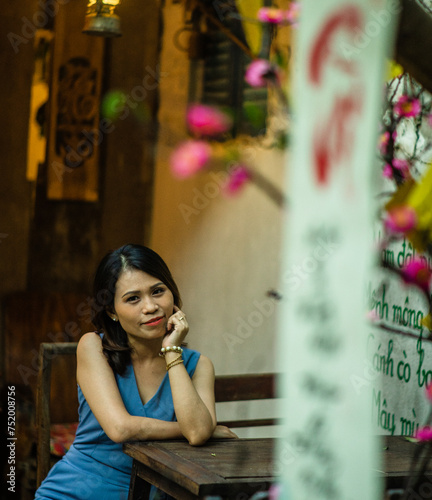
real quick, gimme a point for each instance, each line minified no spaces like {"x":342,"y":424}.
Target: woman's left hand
{"x":221,"y":431}
{"x":177,"y":329}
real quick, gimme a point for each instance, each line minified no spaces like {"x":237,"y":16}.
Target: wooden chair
{"x":247,"y":387}
{"x":48,"y":352}
{"x":49,"y":317}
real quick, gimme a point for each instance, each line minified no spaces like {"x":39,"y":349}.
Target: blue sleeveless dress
{"x":95,"y":468}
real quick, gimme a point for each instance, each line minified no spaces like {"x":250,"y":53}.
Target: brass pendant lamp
{"x":101,"y":19}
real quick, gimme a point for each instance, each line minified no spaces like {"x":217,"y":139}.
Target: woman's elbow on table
{"x":198,"y":440}
{"x":198,"y":437}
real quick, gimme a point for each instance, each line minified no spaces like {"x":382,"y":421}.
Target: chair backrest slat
{"x":47,"y":352}
{"x":248,"y":387}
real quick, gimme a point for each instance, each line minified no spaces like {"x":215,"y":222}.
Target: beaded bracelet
{"x":173,"y":348}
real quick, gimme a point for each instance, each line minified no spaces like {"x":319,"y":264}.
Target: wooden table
{"x":228,"y":467}
{"x":397,"y":455}
{"x":223,"y":467}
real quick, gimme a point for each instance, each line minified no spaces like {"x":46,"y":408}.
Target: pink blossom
{"x":271,"y":15}
{"x":190,"y":157}
{"x":423,"y":434}
{"x":387,"y":171}
{"x":293,"y":13}
{"x":275,"y":491}
{"x":372,"y":316}
{"x":407,"y":106}
{"x":400,"y":219}
{"x":237,"y":179}
{"x":207,"y":121}
{"x":259,"y":72}
{"x":383,"y":142}
{"x":417,"y":272}
{"x":428,"y":391}
{"x":402,"y":165}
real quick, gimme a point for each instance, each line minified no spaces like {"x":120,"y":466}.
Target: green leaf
{"x":255,"y":114}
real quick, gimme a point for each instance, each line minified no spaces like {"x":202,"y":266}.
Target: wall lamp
{"x":101,"y":19}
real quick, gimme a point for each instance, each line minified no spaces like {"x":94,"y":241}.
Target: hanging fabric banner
{"x":328,"y":451}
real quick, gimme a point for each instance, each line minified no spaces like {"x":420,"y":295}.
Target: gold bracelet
{"x":177,"y":361}
{"x":174,"y":360}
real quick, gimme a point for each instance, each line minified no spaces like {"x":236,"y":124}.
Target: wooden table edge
{"x":175,"y":467}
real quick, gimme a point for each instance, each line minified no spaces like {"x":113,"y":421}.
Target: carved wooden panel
{"x":74,"y":123}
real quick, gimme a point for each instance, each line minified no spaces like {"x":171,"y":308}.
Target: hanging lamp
{"x":101,"y":19}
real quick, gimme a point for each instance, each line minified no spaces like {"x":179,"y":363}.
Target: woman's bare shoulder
{"x":205,"y":364}
{"x":90,"y":342}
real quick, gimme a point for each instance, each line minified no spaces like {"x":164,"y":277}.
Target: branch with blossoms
{"x":209,"y":125}
{"x":408,"y":213}
{"x":412,"y":107}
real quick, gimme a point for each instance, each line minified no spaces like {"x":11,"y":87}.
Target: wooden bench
{"x":248,"y":387}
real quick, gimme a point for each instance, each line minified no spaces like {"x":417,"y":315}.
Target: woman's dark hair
{"x":115,"y":343}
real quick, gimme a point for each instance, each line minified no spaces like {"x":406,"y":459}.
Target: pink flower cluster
{"x":398,"y":165}
{"x":423,"y":434}
{"x":260,"y":72}
{"x":384,"y":141}
{"x":400,"y":220}
{"x":407,"y":106}
{"x":190,"y":157}
{"x":207,"y":121}
{"x":417,"y":272}
{"x":238,"y":177}
{"x":278,"y":16}
{"x":194,"y":155}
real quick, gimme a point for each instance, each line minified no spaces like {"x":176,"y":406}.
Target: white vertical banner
{"x":328,"y":450}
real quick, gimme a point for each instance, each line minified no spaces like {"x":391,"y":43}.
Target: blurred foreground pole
{"x":327,"y":451}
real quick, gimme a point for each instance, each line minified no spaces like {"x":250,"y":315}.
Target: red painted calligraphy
{"x":334,"y":135}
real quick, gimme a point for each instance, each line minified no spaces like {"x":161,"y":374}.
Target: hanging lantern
{"x":100,"y":18}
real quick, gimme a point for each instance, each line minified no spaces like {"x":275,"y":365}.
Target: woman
{"x":135,"y":381}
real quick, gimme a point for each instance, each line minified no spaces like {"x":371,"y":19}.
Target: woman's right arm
{"x":99,"y":386}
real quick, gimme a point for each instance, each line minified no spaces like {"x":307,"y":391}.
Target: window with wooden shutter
{"x":224,"y":66}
